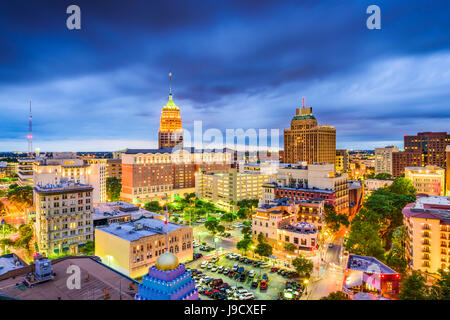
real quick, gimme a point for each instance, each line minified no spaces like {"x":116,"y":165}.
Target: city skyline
{"x":102,"y":88}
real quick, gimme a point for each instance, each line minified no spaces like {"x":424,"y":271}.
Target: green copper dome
{"x":305,"y":116}
{"x":170,"y":104}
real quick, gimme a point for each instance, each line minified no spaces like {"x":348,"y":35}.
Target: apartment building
{"x":342,"y":161}
{"x":132,"y":247}
{"x":63,"y":217}
{"x":428,"y":224}
{"x":25,"y":172}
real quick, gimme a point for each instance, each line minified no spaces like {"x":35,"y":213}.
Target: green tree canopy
{"x":440,"y":290}
{"x":403,"y":186}
{"x":244,"y":245}
{"x":414,"y":287}
{"x":289,"y":247}
{"x":89,"y":248}
{"x":364,"y":239}
{"x":263,"y":249}
{"x":303,"y":266}
{"x":333,"y":220}
{"x":337,"y":295}
{"x":153,"y":206}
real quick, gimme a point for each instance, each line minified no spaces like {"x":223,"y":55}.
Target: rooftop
{"x":10,"y":262}
{"x":367,"y":264}
{"x":142,"y":228}
{"x":63,"y":186}
{"x":429,"y":207}
{"x":170,"y":150}
{"x":301,"y":227}
{"x":95,"y":278}
{"x":121,"y":208}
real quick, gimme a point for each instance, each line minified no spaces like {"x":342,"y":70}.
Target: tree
{"x":220,"y":228}
{"x":402,"y":185}
{"x":243,"y":213}
{"x":364,"y":239}
{"x":244,"y":245}
{"x":440,"y":290}
{"x":396,"y":258}
{"x":414,"y":287}
{"x":153,"y":206}
{"x":113,"y":188}
{"x":337,"y":295}
{"x":246,"y":231}
{"x":211,"y":225}
{"x":227,"y":217}
{"x":334,"y":220}
{"x":89,"y":248}
{"x":263,"y":249}
{"x":22,"y":197}
{"x":7,"y":229}
{"x":261,"y":238}
{"x":303,"y":266}
{"x":289,"y":247}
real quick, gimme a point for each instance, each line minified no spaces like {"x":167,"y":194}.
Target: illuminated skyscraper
{"x":170,"y":130}
{"x":307,"y":141}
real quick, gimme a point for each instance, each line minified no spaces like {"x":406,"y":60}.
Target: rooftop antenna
{"x":30,"y":133}
{"x":170,"y":84}
{"x":303,"y":101}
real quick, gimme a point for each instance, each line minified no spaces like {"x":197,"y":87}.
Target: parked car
{"x":264,"y":265}
{"x":235,"y":267}
{"x":242,"y":277}
{"x":274,"y":269}
{"x":211,"y":291}
{"x":214,"y":269}
{"x":239,"y":292}
{"x":247,"y":296}
{"x":251,"y":274}
{"x":214,"y":259}
{"x":263,"y":285}
{"x":220,"y":269}
{"x":240,"y":270}
{"x":254,"y":284}
{"x":241,"y":259}
{"x":197,"y":256}
{"x":226,"y":270}
{"x":231,"y":273}
{"x":216,"y":282}
{"x":265,"y":277}
{"x":210,"y":266}
{"x":204,"y":264}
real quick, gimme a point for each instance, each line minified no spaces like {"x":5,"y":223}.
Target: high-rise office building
{"x":383,"y":159}
{"x":307,"y":141}
{"x":447,"y":171}
{"x":170,"y":130}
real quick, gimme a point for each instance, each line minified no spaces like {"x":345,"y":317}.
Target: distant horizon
{"x":233,"y":64}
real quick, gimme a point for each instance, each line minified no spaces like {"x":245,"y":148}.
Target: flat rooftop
{"x":429,"y":207}
{"x":170,"y":150}
{"x":100,"y":277}
{"x":368,"y":265}
{"x":142,"y":228}
{"x":69,"y":186}
{"x":10,"y":262}
{"x":121,"y":208}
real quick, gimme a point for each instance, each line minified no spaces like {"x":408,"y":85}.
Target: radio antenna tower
{"x":30,"y":133}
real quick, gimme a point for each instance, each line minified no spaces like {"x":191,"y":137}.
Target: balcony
{"x":426,"y":235}
{"x":425,"y":243}
{"x":426,"y":257}
{"x":426,"y":250}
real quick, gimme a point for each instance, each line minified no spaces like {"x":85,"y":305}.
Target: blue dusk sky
{"x":235,"y":64}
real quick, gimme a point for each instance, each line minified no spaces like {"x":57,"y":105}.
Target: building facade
{"x":401,"y":160}
{"x":383,"y":159}
{"x":170,"y":129}
{"x":63,"y":217}
{"x":225,"y":189}
{"x":428,"y":224}
{"x":153,"y":174}
{"x":428,"y":180}
{"x":25,"y":172}
{"x":342,"y":161}
{"x":310,"y":182}
{"x":431,"y":145}
{"x":132,"y":247}
{"x":307,"y":141}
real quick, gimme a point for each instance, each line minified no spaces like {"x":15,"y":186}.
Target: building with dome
{"x":170,"y":129}
{"x":167,"y":280}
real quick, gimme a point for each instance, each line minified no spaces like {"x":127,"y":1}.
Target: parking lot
{"x":276,"y":283}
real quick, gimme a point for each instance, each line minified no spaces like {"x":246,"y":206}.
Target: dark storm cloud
{"x":236,"y":64}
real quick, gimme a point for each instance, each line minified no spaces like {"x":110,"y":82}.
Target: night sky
{"x":235,"y":64}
